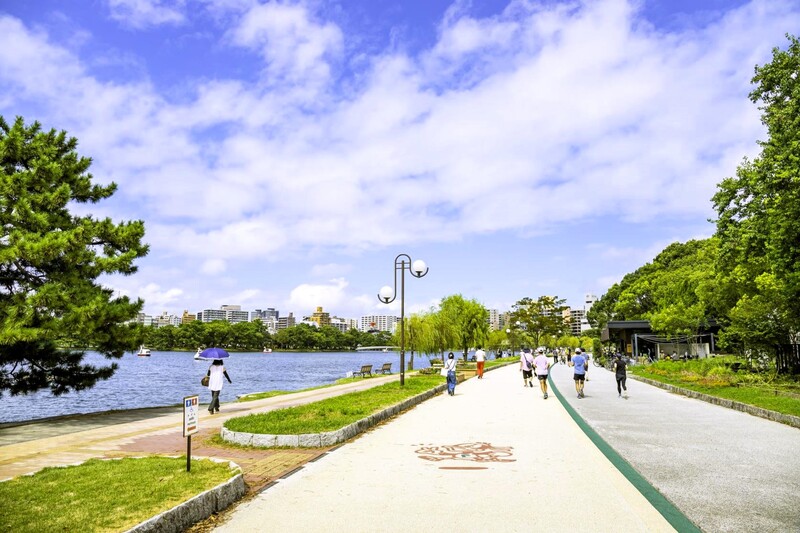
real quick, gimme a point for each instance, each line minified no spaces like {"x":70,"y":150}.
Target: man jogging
{"x":620,"y":371}
{"x":542,"y":364}
{"x":579,"y":362}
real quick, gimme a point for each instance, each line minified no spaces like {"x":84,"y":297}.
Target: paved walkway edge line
{"x":789,"y":420}
{"x":328,"y":438}
{"x":197,"y":508}
{"x":672,"y":514}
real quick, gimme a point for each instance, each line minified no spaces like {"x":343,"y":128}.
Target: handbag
{"x":443,"y":372}
{"x":204,"y":381}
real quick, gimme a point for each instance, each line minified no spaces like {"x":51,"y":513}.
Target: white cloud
{"x":575,"y":111}
{"x":144,"y":13}
{"x":294,"y":45}
{"x":307,"y":297}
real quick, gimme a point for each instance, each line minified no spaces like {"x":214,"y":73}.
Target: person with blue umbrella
{"x":215,"y":374}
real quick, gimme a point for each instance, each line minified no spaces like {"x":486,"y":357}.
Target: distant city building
{"x":343,"y":324}
{"x":378,"y":323}
{"x":320,"y":318}
{"x":212,"y":315}
{"x":234,"y":316}
{"x":588,"y":301}
{"x":188,"y":317}
{"x":265,"y":314}
{"x":286,"y":321}
{"x":576,"y":318}
{"x":141,"y":318}
{"x":494,"y":319}
{"x":165,"y":319}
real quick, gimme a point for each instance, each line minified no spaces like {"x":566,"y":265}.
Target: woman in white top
{"x":450,"y":366}
{"x":215,"y":373}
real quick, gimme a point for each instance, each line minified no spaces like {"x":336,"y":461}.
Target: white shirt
{"x":541,"y":363}
{"x":215,"y":379}
{"x":450,"y":364}
{"x":480,"y":355}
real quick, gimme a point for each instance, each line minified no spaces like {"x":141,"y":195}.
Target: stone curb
{"x":789,"y":420}
{"x":330,"y":438}
{"x":198,"y":508}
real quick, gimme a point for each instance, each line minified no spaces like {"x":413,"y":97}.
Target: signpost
{"x":191,"y":405}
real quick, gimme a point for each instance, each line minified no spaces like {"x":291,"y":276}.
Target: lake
{"x":165,"y":378}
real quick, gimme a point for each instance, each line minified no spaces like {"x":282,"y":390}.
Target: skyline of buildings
{"x":274,"y":322}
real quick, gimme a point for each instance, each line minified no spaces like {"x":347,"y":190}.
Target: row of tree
{"x":460,"y":324}
{"x":746,"y":278}
{"x":253,"y":336}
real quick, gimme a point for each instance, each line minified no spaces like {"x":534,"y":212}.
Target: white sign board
{"x":191,"y":407}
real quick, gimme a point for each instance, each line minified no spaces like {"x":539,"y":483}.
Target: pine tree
{"x":50,"y":261}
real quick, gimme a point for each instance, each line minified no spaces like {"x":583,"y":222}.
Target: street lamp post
{"x":387,"y":295}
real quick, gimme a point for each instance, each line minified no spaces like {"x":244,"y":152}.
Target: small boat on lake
{"x":197,"y":354}
{"x":143,"y":351}
{"x":267,"y":350}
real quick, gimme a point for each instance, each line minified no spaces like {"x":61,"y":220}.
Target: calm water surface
{"x":165,"y":378}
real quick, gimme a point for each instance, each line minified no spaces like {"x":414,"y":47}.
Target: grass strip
{"x":763,"y":396}
{"x":333,"y":413}
{"x":672,"y":514}
{"x":104,"y":495}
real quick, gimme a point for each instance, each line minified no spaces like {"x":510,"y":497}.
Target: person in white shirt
{"x":450,"y":367}
{"x":480,"y":358}
{"x":215,"y":373}
{"x":526,"y":366}
{"x":541,"y":363}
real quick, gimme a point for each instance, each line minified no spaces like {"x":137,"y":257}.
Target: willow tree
{"x":50,"y":262}
{"x":470,"y":321}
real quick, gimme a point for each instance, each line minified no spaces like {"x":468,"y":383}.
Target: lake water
{"x":165,"y":378}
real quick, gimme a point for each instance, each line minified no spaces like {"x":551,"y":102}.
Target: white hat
{"x":577,"y":350}
{"x":539,"y":350}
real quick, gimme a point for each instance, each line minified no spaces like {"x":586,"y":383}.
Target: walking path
{"x":495,"y":457}
{"x":724,"y":469}
{"x":30,"y":447}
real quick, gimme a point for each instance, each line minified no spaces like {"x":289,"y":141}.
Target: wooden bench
{"x":366,"y":370}
{"x":385,"y":369}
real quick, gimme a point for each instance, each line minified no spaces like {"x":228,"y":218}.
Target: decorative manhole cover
{"x":477,"y":452}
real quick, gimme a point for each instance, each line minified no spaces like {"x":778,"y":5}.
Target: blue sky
{"x":281,"y":154}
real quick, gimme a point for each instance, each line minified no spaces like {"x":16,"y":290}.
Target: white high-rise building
{"x":494,"y":319}
{"x":588,"y":301}
{"x":378,"y":322}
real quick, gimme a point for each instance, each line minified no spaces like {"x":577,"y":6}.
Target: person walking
{"x":579,"y":362}
{"x":480,"y":360}
{"x":450,"y":367}
{"x":542,"y":364}
{"x":620,"y":372}
{"x":215,"y":373}
{"x":526,"y":366}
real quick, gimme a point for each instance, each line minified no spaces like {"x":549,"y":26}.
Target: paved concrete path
{"x":27,"y":448}
{"x":724,"y":469}
{"x":495,"y":457}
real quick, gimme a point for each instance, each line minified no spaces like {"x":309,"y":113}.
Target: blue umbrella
{"x":214,"y":353}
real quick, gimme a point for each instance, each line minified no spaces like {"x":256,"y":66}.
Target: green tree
{"x":469,"y":319}
{"x":758,"y":209}
{"x":540,"y":318}
{"x":50,"y":261}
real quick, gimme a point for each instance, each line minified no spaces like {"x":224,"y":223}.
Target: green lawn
{"x":333,"y":413}
{"x":715,"y":378}
{"x":103,"y":495}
